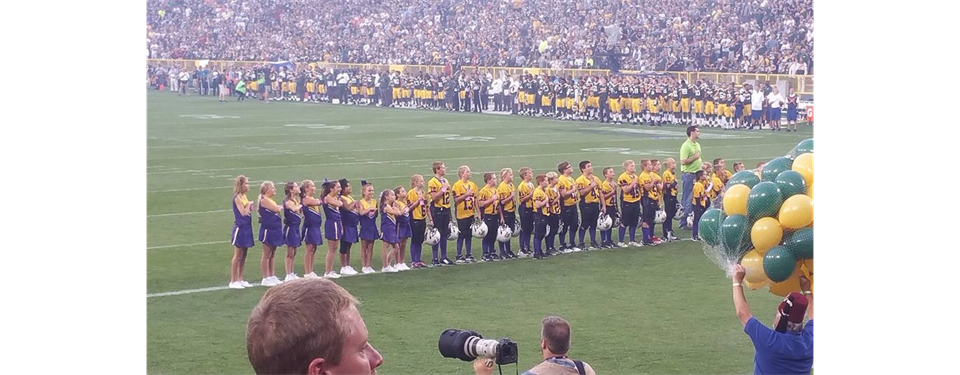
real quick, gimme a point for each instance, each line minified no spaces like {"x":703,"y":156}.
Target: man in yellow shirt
{"x":588,"y":187}
{"x":465,"y":196}
{"x":525,"y":194}
{"x":439,"y":196}
{"x":630,"y":206}
{"x":568,"y":211}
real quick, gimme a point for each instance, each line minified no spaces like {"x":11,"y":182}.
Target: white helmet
{"x":690,"y":221}
{"x":616,"y":219}
{"x":679,"y":215}
{"x":604,"y":222}
{"x":504,"y":233}
{"x":516,"y":228}
{"x":454,"y":232}
{"x":479,"y":229}
{"x":432,"y":237}
{"x":661,"y":217}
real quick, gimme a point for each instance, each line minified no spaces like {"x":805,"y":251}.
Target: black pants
{"x":553,"y":226}
{"x":441,"y":221}
{"x":650,"y":207}
{"x":419,"y":228}
{"x":497,"y":102}
{"x":631,"y":214}
{"x":589,"y":213}
{"x":670,"y":207}
{"x":477,"y":102}
{"x":490,"y":239}
{"x":570,"y":225}
{"x":604,"y":108}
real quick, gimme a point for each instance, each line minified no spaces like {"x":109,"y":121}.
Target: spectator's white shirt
{"x":775,"y":99}
{"x":184,"y":76}
{"x":756,"y":99}
{"x":794,"y":67}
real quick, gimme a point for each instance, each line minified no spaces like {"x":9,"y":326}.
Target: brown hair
{"x":487,"y":177}
{"x":238,"y":183}
{"x":540,"y":179}
{"x":563,"y":166}
{"x":556,"y":332}
{"x":525,"y":170}
{"x":436,"y":166}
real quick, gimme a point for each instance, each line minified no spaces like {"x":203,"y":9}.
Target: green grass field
{"x":664,"y":309}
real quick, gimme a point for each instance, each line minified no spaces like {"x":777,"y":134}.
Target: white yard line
{"x":224,"y":242}
{"x":187,"y":213}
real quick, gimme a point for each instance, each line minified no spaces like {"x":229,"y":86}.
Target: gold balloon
{"x":752,"y":262}
{"x":796,"y":212}
{"x":766,"y":233}
{"x":803,"y":164}
{"x":735,"y":200}
{"x":810,"y":191}
{"x":755,"y":286}
{"x":792,"y":284}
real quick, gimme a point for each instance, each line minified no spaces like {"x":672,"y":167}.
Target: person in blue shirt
{"x":788,"y":347}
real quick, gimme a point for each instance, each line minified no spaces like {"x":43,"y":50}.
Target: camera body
{"x":468,"y":345}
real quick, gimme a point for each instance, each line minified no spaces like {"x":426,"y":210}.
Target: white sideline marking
{"x":187,"y":213}
{"x":191,"y":291}
{"x":187,"y":245}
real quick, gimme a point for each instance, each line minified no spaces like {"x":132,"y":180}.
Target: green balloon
{"x":773,"y":168}
{"x":764,"y":200}
{"x":779,"y":263}
{"x":801,"y":243}
{"x":735,"y":234}
{"x":709,"y":226}
{"x":803,"y":147}
{"x":791,"y":183}
{"x":744,"y":178}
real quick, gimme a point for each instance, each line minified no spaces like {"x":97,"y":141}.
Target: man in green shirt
{"x":690,"y":161}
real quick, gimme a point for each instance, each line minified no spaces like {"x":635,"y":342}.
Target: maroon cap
{"x":794,"y":307}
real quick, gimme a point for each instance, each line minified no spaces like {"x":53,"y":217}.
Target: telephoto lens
{"x":468,"y":345}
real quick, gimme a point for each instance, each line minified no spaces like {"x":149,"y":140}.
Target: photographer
{"x":554,"y":345}
{"x":309,"y":326}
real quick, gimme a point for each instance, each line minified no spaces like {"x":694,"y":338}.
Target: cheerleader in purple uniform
{"x":312,"y":219}
{"x":241,"y":237}
{"x":350,"y":218}
{"x":403,"y":228}
{"x":368,"y":227}
{"x":388,"y":229}
{"x":271,"y":232}
{"x":334,"y":226}
{"x":292,"y":216}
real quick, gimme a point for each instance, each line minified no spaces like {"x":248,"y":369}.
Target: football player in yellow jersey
{"x":700,"y":201}
{"x":707,"y":169}
{"x":553,"y":221}
{"x":608,"y":194}
{"x":669,"y":196}
{"x":396,"y":95}
{"x":658,"y":186}
{"x":648,"y":201}
{"x":465,"y":195}
{"x":630,"y":202}
{"x":718,"y":181}
{"x":588,"y":186}
{"x":417,"y":202}
{"x":568,"y":193}
{"x":725,"y":174}
{"x":508,"y":204}
{"x":737,"y":167}
{"x":490,"y":213}
{"x":440,"y":197}
{"x":527,"y":215}
{"x":541,"y":208}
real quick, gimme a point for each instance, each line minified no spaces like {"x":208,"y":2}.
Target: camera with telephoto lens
{"x":468,"y":345}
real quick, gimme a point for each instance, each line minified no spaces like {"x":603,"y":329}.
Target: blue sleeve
{"x":761,"y":336}
{"x":809,"y":328}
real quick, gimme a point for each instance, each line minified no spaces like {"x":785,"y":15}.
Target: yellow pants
{"x":685,"y":105}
